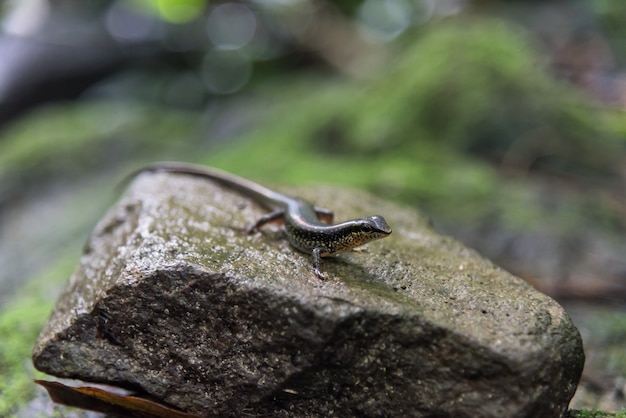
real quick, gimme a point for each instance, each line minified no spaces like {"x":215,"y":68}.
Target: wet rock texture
{"x":172,"y":299}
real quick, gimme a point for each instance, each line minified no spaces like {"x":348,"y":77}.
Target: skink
{"x":308,"y":228}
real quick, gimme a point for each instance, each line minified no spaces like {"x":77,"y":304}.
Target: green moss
{"x":68,"y":140}
{"x":458,"y":98}
{"x":428,"y":132}
{"x":608,"y":330}
{"x":20,"y":324}
{"x":462,"y":84}
{"x":596,"y":413}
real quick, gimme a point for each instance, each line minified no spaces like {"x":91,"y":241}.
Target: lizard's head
{"x":374,"y":227}
{"x":363,"y":231}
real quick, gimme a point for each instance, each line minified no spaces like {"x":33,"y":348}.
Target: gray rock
{"x":170,"y":298}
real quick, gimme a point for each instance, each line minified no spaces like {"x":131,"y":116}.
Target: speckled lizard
{"x":308,"y":228}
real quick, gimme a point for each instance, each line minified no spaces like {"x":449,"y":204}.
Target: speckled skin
{"x":309,"y":229}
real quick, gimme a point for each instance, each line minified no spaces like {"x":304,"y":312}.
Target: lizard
{"x":308,"y":228}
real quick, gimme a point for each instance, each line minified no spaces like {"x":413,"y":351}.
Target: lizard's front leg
{"x":317,"y":263}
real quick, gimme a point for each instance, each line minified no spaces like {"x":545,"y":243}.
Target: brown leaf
{"x":100,"y":400}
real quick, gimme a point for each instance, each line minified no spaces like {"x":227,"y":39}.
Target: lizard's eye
{"x":366,"y":228}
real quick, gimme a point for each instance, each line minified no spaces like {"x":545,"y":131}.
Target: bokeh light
{"x":385,"y":19}
{"x":178,"y":11}
{"x":225,"y":72}
{"x":129,"y":24}
{"x":231,"y":26}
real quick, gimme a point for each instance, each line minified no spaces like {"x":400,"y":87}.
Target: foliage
{"x":67,"y":140}
{"x":610,"y":15}
{"x":176,"y":11}
{"x":464,"y":103}
{"x":477,"y":88}
{"x":608,"y":331}
{"x":21,"y":320}
{"x":596,"y":413}
{"x":19,"y":325}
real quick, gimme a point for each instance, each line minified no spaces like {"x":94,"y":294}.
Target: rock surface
{"x":171,"y":299}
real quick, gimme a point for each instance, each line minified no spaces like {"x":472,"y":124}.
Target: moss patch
{"x":20,"y":323}
{"x":21,"y":320}
{"x":595,"y":413}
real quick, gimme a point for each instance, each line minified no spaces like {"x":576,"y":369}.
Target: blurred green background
{"x":504,"y":121}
